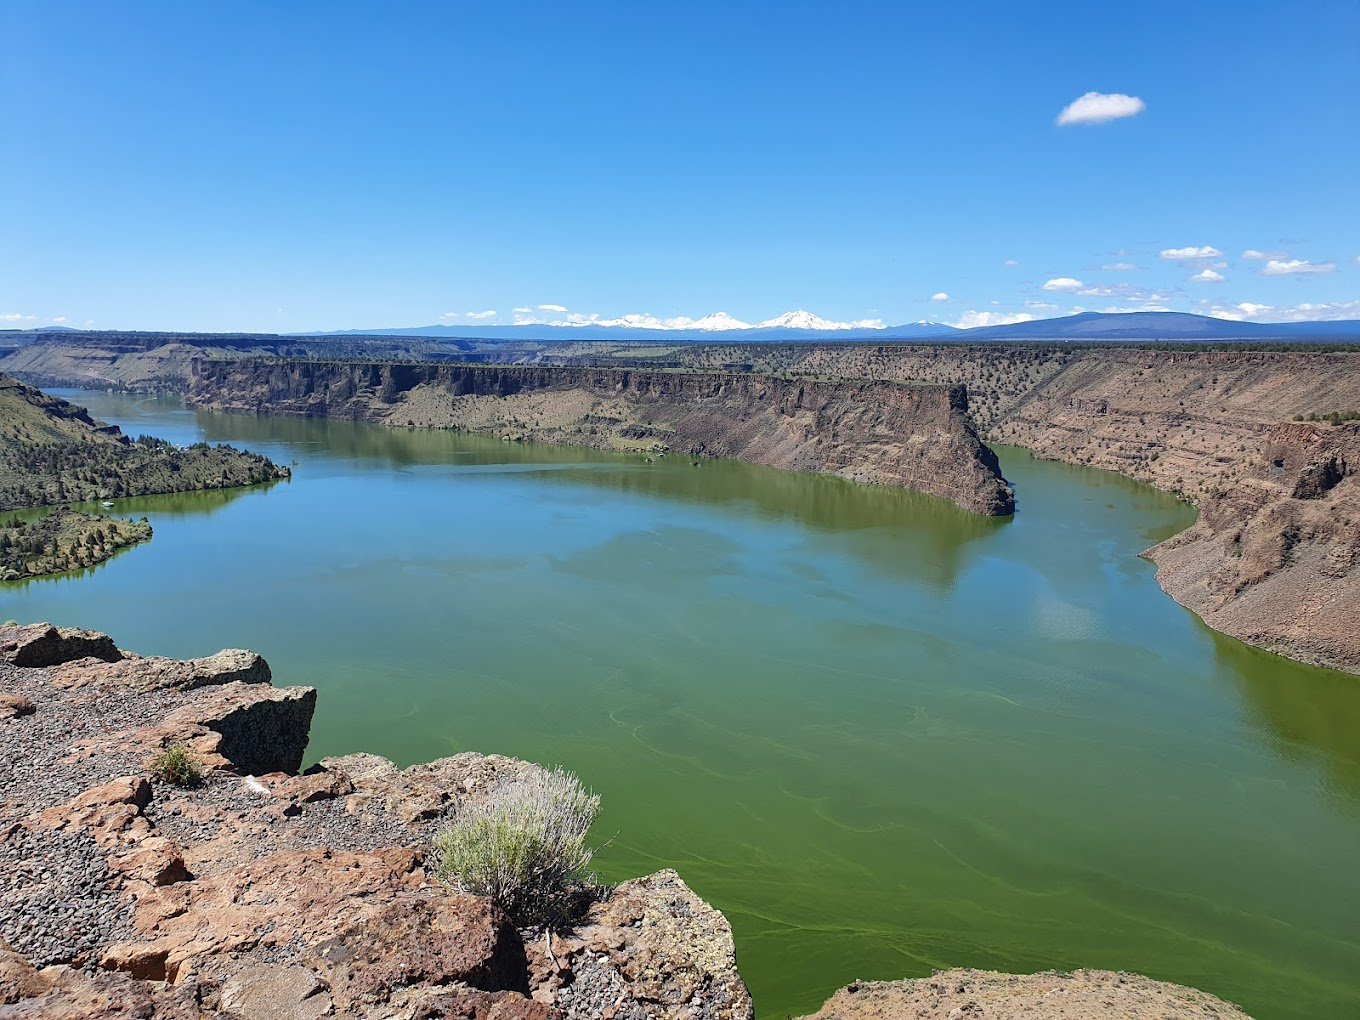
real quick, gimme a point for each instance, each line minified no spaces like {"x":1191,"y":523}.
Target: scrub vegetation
{"x":524,"y":846}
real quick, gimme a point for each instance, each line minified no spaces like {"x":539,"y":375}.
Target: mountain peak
{"x":718,"y":321}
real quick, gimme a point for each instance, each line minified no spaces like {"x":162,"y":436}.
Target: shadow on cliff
{"x":1306,"y":715}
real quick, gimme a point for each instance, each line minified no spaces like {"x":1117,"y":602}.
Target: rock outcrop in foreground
{"x":987,"y":995}
{"x":269,"y":894}
{"x":912,"y":436}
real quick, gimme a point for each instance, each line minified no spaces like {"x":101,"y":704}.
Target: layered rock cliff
{"x":916,"y":437}
{"x":264,"y":893}
{"x":1275,"y":557}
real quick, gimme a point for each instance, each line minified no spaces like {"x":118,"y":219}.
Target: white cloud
{"x":523,"y":311}
{"x":449,"y":315}
{"x":16,"y":317}
{"x":1065,"y":283}
{"x":1306,"y":312}
{"x":1296,"y":267}
{"x":58,"y":319}
{"x":1122,"y":309}
{"x":1096,"y":292}
{"x":1099,"y":107}
{"x":1207,"y":276}
{"x":1119,"y":267}
{"x":552,"y":308}
{"x":970,"y":319}
{"x":1042,"y":306}
{"x":1252,"y":253}
{"x":482,"y":315}
{"x":941,"y":296}
{"x":1181,"y":254}
{"x":1010,"y":262}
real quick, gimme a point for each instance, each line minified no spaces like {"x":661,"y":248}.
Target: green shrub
{"x":524,"y":846}
{"x":178,"y":765}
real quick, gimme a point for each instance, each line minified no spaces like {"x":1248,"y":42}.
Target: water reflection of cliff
{"x":897,"y":531}
{"x":1306,"y":715}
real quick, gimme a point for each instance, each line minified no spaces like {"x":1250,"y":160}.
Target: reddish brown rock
{"x":432,"y":942}
{"x":14,"y":705}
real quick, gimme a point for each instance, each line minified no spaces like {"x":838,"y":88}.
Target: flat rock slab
{"x":155,"y":672}
{"x":1080,"y":995}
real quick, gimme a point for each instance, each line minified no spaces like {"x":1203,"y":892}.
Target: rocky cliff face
{"x":916,"y":437}
{"x":266,"y":894}
{"x":1275,"y":557}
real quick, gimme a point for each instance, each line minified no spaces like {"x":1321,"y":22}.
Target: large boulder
{"x":41,"y":644}
{"x":653,"y":948}
{"x":259,"y":728}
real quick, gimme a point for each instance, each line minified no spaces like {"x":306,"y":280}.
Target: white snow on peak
{"x":803,"y":320}
{"x":714,"y":323}
{"x":718,"y":321}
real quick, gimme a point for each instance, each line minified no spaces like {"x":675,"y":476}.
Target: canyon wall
{"x":1275,"y":558}
{"x":912,"y":436}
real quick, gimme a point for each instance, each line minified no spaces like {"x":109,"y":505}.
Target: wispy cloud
{"x":1064,"y":283}
{"x":1207,"y":276}
{"x":1119,"y":267}
{"x":552,"y":308}
{"x":941,"y":296}
{"x":1010,"y":262}
{"x":16,"y":317}
{"x":1182,"y":254}
{"x":491,"y":313}
{"x":523,"y":311}
{"x":1041,"y":306}
{"x":1252,"y":253}
{"x":1099,"y":107}
{"x":1296,"y":267}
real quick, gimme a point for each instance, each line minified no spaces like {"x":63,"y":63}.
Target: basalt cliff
{"x":913,"y":436}
{"x":1200,"y":423}
{"x":270,"y":893}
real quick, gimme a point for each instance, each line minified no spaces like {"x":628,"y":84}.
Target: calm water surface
{"x":880,"y":734}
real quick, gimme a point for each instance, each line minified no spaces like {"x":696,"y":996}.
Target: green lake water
{"x":881,"y":734}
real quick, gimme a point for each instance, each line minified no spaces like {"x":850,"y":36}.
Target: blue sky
{"x":296,"y":166}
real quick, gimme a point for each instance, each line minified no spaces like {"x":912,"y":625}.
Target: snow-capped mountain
{"x":806,"y":320}
{"x":719,"y":321}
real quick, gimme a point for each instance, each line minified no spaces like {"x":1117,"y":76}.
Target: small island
{"x":64,"y":540}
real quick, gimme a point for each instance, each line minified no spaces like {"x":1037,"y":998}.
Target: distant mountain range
{"x":718,"y":326}
{"x":805,"y":326}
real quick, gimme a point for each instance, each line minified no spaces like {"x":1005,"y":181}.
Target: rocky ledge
{"x":267,"y":892}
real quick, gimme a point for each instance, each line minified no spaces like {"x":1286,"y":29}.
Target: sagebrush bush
{"x":524,"y":846}
{"x":178,"y":765}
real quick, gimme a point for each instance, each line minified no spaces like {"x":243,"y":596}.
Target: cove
{"x":879,"y":733}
